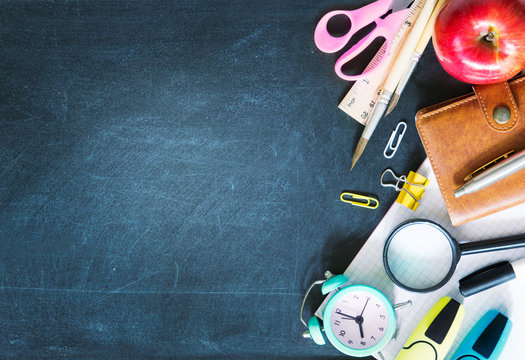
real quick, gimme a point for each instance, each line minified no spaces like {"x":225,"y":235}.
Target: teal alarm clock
{"x":358,"y":320}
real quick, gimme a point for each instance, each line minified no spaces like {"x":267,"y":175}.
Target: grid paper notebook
{"x":509,"y":298}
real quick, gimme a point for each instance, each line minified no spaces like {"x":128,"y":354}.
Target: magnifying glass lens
{"x":420,"y":256}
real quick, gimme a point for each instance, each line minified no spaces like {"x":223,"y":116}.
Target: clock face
{"x":359,"y":320}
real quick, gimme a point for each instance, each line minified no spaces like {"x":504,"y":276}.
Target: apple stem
{"x":490,"y":37}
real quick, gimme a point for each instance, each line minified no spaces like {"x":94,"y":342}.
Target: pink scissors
{"x":386,"y":27}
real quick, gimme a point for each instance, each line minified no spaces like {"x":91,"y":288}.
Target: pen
{"x":416,"y":55}
{"x":497,"y":172}
{"x":395,"y":74}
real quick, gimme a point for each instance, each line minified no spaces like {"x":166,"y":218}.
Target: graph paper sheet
{"x":509,"y":298}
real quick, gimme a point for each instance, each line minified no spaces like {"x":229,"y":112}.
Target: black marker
{"x":490,"y":276}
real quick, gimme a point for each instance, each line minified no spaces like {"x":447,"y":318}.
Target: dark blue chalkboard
{"x":170,"y":174}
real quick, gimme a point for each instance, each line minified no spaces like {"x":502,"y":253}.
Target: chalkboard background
{"x":170,"y":174}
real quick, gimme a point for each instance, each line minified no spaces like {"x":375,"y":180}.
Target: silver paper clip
{"x":398,"y":133}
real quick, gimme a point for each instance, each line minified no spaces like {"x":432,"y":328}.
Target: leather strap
{"x":500,"y":96}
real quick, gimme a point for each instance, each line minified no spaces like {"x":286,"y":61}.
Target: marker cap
{"x":486,"y":278}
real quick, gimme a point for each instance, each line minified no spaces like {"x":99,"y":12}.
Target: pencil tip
{"x":392,"y":104}
{"x":359,"y":151}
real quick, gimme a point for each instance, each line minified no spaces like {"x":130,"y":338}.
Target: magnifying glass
{"x":421,"y":256}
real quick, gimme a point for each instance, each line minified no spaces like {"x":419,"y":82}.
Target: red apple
{"x":481,"y":41}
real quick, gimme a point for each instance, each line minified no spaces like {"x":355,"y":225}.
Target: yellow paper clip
{"x":412,"y":189}
{"x":359,"y":200}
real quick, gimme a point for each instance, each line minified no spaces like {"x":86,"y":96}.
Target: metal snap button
{"x":501,"y":114}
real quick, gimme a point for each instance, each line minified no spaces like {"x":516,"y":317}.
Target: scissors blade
{"x":400,"y":4}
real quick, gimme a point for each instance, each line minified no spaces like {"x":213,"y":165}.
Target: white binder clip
{"x":398,"y":133}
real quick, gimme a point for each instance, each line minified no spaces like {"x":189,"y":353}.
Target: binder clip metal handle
{"x":402,"y":184}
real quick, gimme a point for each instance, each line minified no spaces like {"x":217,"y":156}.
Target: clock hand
{"x":359,"y":319}
{"x":347,"y":316}
{"x":364,"y":306}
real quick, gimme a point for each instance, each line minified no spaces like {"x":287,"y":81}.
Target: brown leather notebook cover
{"x":461,"y":135}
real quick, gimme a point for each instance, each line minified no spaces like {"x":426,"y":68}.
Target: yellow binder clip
{"x":359,"y":200}
{"x":412,"y":189}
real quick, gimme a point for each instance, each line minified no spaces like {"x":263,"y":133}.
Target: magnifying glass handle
{"x":505,"y":243}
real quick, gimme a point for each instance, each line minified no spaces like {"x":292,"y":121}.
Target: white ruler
{"x":362,"y":97}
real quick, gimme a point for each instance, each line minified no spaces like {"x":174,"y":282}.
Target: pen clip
{"x":398,"y":134}
{"x":488,"y":165}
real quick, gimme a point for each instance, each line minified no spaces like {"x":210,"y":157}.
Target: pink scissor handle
{"x":386,"y":29}
{"x":358,"y":18}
